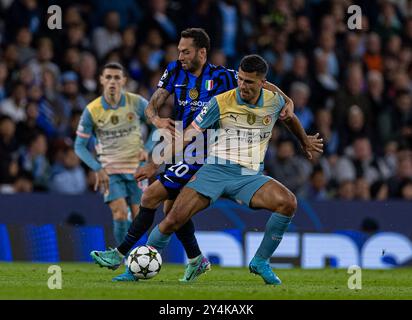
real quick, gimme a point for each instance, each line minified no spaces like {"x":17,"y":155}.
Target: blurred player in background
{"x":115,"y":119}
{"x":193,"y":81}
{"x":245,"y":112}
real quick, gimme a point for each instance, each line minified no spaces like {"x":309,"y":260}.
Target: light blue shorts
{"x":123,"y":186}
{"x":216,"y":180}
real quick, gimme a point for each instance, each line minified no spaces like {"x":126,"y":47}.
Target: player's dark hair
{"x":254,"y":63}
{"x":113,"y":65}
{"x":199,"y":36}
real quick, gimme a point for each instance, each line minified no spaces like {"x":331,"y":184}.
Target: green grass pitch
{"x":88,"y":281}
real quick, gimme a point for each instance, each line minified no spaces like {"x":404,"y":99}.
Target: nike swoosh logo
{"x":167,"y":178}
{"x":180,"y":85}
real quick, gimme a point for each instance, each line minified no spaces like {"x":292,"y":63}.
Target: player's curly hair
{"x":200,"y":37}
{"x":254,"y":63}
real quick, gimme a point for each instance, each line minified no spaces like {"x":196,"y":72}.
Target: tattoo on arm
{"x":156,"y":101}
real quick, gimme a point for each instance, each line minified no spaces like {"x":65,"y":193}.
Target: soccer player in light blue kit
{"x":115,"y":118}
{"x":245,"y":116}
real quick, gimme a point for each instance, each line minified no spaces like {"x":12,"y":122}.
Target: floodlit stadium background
{"x":353,"y":86}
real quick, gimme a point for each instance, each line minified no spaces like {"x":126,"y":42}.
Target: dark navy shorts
{"x":175,"y":177}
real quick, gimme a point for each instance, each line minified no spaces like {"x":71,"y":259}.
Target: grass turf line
{"x":88,"y":281}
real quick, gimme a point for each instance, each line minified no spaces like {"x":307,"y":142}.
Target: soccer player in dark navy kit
{"x":193,"y":81}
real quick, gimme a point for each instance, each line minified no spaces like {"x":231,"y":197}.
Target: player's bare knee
{"x":119,"y":214}
{"x":149,"y":200}
{"x":171,"y":222}
{"x":287,"y":204}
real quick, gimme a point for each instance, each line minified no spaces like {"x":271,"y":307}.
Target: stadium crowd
{"x":354,"y":87}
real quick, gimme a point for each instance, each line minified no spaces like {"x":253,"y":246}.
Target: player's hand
{"x":146,"y":172}
{"x":164,"y":123}
{"x":102,"y":181}
{"x":143,"y":155}
{"x":287,"y":110}
{"x":313,"y":144}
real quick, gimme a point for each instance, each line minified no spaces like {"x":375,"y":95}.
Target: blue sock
{"x":120,"y":228}
{"x":158,"y":239}
{"x":275,"y":228}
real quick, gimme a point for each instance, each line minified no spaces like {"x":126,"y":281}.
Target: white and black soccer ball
{"x":144,"y":262}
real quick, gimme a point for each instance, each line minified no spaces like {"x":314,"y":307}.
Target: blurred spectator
{"x":107,"y":37}
{"x":88,"y":75}
{"x":69,"y":178}
{"x":403,"y":172}
{"x":316,"y":187}
{"x":4,"y":73}
{"x":287,"y":167}
{"x":346,"y":190}
{"x":15,"y":106}
{"x":379,"y":191}
{"x":406,"y":189}
{"x":325,"y":84}
{"x":354,"y":127}
{"x":326,"y":48}
{"x":299,"y":72}
{"x":362,"y":189}
{"x":44,"y":57}
{"x":8,"y":150}
{"x":23,"y":13}
{"x":362,"y":163}
{"x":373,"y":57}
{"x":158,"y":18}
{"x":23,"y":45}
{"x":33,"y":159}
{"x":351,"y":95}
{"x":300,"y":93}
{"x":26,"y":129}
{"x":69,"y":100}
{"x":324,"y":126}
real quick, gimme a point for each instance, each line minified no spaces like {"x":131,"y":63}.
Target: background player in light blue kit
{"x":115,"y":118}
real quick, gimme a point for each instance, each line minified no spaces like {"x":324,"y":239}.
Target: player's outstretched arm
{"x":289,"y":107}
{"x":309,"y":143}
{"x":157,"y":100}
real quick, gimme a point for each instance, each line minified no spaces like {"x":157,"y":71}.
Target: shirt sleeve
{"x":85,"y":127}
{"x":232,"y":79}
{"x":209,"y":115}
{"x":168,"y":78}
{"x":84,"y":132}
{"x":281,"y":103}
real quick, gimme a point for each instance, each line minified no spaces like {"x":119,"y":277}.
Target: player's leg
{"x":275,"y":197}
{"x":120,"y":222}
{"x":185,"y":206}
{"x":151,"y":199}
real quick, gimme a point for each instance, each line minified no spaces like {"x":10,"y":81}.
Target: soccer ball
{"x":144,"y":262}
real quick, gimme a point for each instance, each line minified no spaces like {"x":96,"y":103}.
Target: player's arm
{"x":208,"y":116}
{"x":309,"y":144}
{"x":83,"y":134}
{"x":165,"y":88}
{"x":152,"y":111}
{"x":289,"y":107}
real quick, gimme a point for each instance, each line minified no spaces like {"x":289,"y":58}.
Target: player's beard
{"x":194,"y":64}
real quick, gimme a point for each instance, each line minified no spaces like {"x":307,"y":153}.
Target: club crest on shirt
{"x":114,"y":119}
{"x":193,"y":93}
{"x":130,"y":116}
{"x":251,"y":118}
{"x":267,"y":120}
